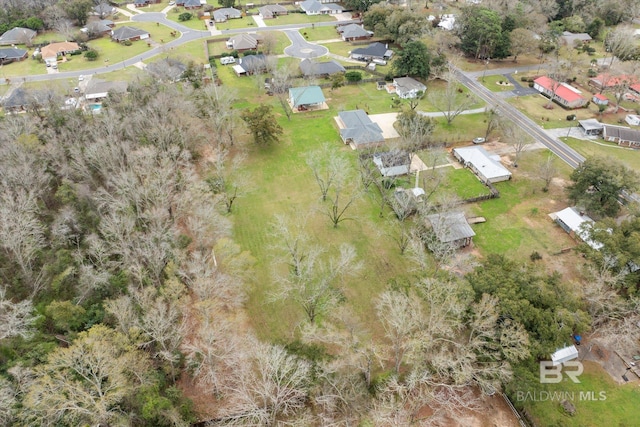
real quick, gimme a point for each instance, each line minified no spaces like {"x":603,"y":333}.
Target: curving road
{"x":562,"y":150}
{"x":300,"y":48}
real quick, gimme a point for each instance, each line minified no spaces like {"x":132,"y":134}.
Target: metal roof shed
{"x":484,"y":166}
{"x":564,"y":355}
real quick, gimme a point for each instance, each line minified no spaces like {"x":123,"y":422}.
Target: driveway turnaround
{"x":300,"y":48}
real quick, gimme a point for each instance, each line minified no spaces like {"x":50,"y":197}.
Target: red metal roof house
{"x":561,"y":93}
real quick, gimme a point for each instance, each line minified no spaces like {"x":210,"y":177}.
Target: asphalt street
{"x":300,"y":48}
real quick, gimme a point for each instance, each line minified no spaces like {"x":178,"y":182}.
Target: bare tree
{"x":281,"y":81}
{"x":329,"y":167}
{"x":493,"y":120}
{"x":339,"y":204}
{"x":558,"y":70}
{"x":221,"y":182}
{"x":517,"y":138}
{"x":453,"y":100}
{"x":620,"y":43}
{"x":548,"y":171}
{"x":16,"y":318}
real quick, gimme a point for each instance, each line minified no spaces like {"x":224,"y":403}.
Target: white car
{"x":478,"y":140}
{"x":226,"y":60}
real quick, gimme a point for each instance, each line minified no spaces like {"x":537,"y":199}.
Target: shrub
{"x":127,"y":43}
{"x":535,"y":256}
{"x":592,"y":73}
{"x":91,"y":55}
{"x":185,"y":16}
{"x":353,"y":76}
{"x":571,"y":117}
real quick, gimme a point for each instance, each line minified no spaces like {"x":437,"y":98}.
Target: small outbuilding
{"x":564,"y":355}
{"x":392,"y":163}
{"x":632,"y":119}
{"x":591,"y":126}
{"x":486,"y":167}
{"x":306,"y":98}
{"x":577,"y":224}
{"x":600,"y":99}
{"x":452,"y":227}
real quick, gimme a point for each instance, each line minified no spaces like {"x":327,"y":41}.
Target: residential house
{"x":17,"y":35}
{"x":306,"y":98}
{"x":243,"y":41}
{"x":314,"y":7}
{"x":600,"y":99}
{"x":564,"y":355}
{"x":189,"y":4}
{"x":128,"y":33}
{"x":21,"y":99}
{"x":358,"y":130}
{"x":562,"y":93}
{"x":103,"y":10}
{"x":271,"y":11}
{"x":97,"y":89}
{"x":251,"y":64}
{"x":606,"y":81}
{"x":635,"y":88}
{"x":142,"y":3}
{"x":352,"y":32}
{"x":392,"y":163}
{"x":12,"y":54}
{"x":572,"y":39}
{"x":452,"y":228}
{"x":375,"y":50}
{"x":485,"y":166}
{"x":167,"y":69}
{"x":632,"y":119}
{"x":51,"y":51}
{"x":621,"y":135}
{"x":591,"y":127}
{"x":99,"y":28}
{"x":226,"y":13}
{"x":407,"y":87}
{"x":310,"y":68}
{"x":576,"y":224}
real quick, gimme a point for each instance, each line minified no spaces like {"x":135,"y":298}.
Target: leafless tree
{"x":558,"y":70}
{"x":222,"y":182}
{"x":517,"y":138}
{"x":329,"y":167}
{"x":620,"y":43}
{"x":548,"y":171}
{"x":453,"y":100}
{"x":16,"y":318}
{"x":493,"y":120}
{"x":281,"y":81}
{"x":340,"y":203}
{"x":216,"y":104}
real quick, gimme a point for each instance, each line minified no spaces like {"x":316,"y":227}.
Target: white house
{"x":484,"y":165}
{"x":577,"y":224}
{"x":632,"y":119}
{"x":407,"y":87}
{"x":392,"y":163}
{"x":564,"y":355}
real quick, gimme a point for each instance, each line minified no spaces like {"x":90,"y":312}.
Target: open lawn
{"x":232,"y":24}
{"x":298,"y":18}
{"x":192,"y":51}
{"x":533,"y":107}
{"x":194,"y":23}
{"x":463,"y":183}
{"x":627,"y":156}
{"x":465,"y":127}
{"x":492,"y":83}
{"x":616,"y":406}
{"x":157,"y":7}
{"x":321,"y":33}
{"x":340,"y":48}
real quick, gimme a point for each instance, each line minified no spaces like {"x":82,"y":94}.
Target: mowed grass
{"x":463,"y":183}
{"x":533,"y":107}
{"x":284,"y":185}
{"x":193,"y":23}
{"x":627,"y":156}
{"x":192,"y":51}
{"x":618,"y":406}
{"x":321,"y":33}
{"x":491,"y":83}
{"x":232,"y":24}
{"x":298,"y":18}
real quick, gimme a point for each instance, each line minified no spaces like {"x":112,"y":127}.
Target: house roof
{"x":103,"y":9}
{"x":126,"y":33}
{"x":312,"y":68}
{"x":621,"y":132}
{"x":563,"y":91}
{"x":98,"y":86}
{"x":253,"y":63}
{"x":168,"y":69}
{"x":376,"y":49}
{"x":564,"y":354}
{"x":192,"y":3}
{"x":390,"y":159}
{"x":353,"y":31}
{"x":271,"y":9}
{"x":307,"y":95}
{"x":54,"y":49}
{"x":359,"y":128}
{"x":607,"y":80}
{"x":226,"y":13}
{"x":12,"y":53}
{"x":316,"y":6}
{"x":244,"y":41}
{"x":482,"y":162}
{"x":601,"y":97}
{"x":635,"y":87}
{"x":450,"y":226}
{"x":407,"y":84}
{"x":17,"y":35}
{"x":570,"y":38}
{"x":20,"y":97}
{"x":590,"y":124}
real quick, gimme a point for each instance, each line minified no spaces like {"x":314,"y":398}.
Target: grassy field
{"x":232,"y":24}
{"x":533,"y":107}
{"x":193,"y":23}
{"x":298,"y":18}
{"x":157,"y":7}
{"x":192,"y":51}
{"x":618,"y":408}
{"x":627,"y":156}
{"x":321,"y":33}
{"x":491,"y":83}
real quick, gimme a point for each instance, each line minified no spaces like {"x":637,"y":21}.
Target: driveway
{"x":300,"y":48}
{"x":386,"y":121}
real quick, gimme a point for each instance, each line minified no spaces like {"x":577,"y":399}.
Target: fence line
{"x":514,"y":410}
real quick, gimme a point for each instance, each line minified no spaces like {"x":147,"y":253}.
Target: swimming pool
{"x":95,"y":108}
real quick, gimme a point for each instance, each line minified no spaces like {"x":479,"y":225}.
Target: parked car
{"x":478,"y":140}
{"x":226,"y":60}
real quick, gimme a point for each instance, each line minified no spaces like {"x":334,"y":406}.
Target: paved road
{"x":562,"y":150}
{"x":300,"y":48}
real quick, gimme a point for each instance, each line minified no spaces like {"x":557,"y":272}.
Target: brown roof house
{"x":51,"y":51}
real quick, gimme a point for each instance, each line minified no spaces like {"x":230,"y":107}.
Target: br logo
{"x":550,"y":374}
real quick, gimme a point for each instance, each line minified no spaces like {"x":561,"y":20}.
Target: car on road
{"x":478,"y":140}
{"x":226,"y":60}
